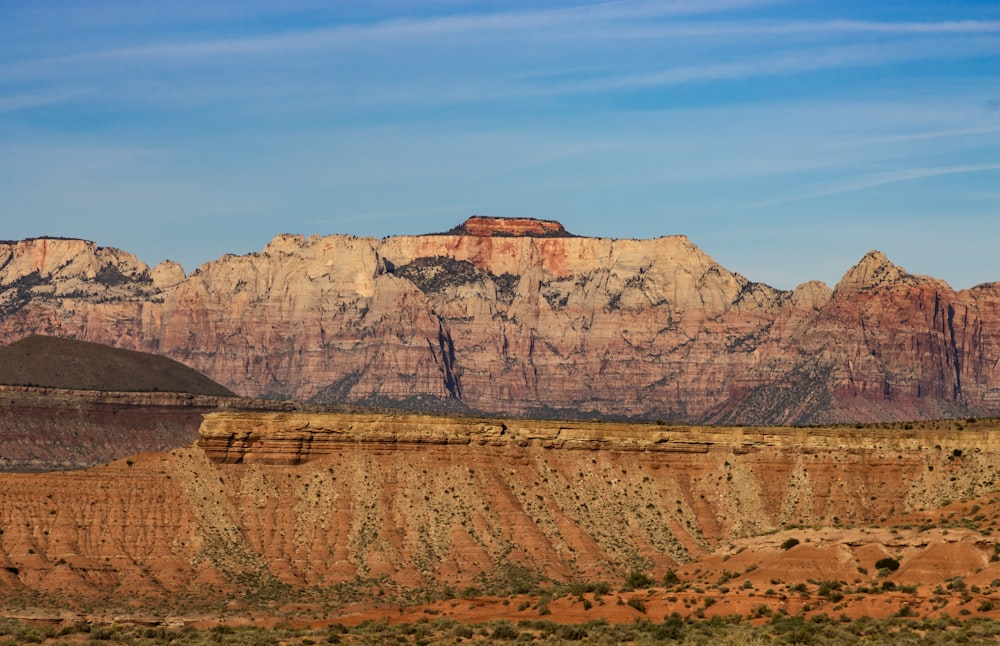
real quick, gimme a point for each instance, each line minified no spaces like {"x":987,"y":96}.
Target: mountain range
{"x":520,"y":317}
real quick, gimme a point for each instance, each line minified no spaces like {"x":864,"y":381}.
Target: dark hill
{"x":53,"y":362}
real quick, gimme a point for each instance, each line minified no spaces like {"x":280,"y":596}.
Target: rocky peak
{"x":287,"y":244}
{"x":813,"y":294}
{"x":68,"y":267}
{"x":45,"y":256}
{"x":874,"y":270}
{"x":167,"y":274}
{"x":488,"y":226}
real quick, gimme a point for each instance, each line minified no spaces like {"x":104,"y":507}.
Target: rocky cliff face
{"x":45,"y":429}
{"x":518,"y":316}
{"x":417,"y":502}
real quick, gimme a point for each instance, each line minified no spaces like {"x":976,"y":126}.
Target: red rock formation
{"x":485,"y":226}
{"x":417,"y":502}
{"x":529,"y":325}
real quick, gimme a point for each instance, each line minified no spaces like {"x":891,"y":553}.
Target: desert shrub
{"x":579,"y":588}
{"x":638,"y":579}
{"x":795,"y":630}
{"x":104,"y":633}
{"x":637,"y":603}
{"x":504,"y":630}
{"x":887,"y":563}
{"x":789,"y":543}
{"x":471,"y":592}
{"x":462,"y":630}
{"x":573,"y":633}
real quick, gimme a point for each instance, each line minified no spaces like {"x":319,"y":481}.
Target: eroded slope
{"x":273,"y":503}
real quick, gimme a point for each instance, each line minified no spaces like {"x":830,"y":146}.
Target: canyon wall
{"x":269,"y":502}
{"x":517,"y":316}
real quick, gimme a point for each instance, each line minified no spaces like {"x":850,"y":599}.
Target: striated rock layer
{"x":480,"y":225}
{"x":416,"y":502}
{"x":519,"y":317}
{"x":43,"y":429}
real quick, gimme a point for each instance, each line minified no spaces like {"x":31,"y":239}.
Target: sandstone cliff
{"x":272,"y":503}
{"x":520,"y":317}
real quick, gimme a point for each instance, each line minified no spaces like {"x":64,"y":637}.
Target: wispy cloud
{"x":880,"y":179}
{"x":917,"y":136}
{"x":792,"y":61}
{"x":623,"y":21}
{"x":16,"y":102}
{"x":357,"y":34}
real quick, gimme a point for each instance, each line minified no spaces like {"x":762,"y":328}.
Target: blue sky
{"x":785,"y":139}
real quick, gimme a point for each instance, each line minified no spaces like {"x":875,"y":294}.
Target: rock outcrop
{"x":517,"y":316}
{"x":486,"y":226}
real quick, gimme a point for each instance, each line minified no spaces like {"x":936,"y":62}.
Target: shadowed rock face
{"x":508,"y":319}
{"x":47,"y":429}
{"x":275,"y":499}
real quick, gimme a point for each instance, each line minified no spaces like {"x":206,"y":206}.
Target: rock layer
{"x":480,"y":225}
{"x":44,"y":429}
{"x":417,"y":502}
{"x":509,"y":320}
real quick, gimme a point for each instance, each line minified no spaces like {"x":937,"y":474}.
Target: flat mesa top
{"x":487,"y":226}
